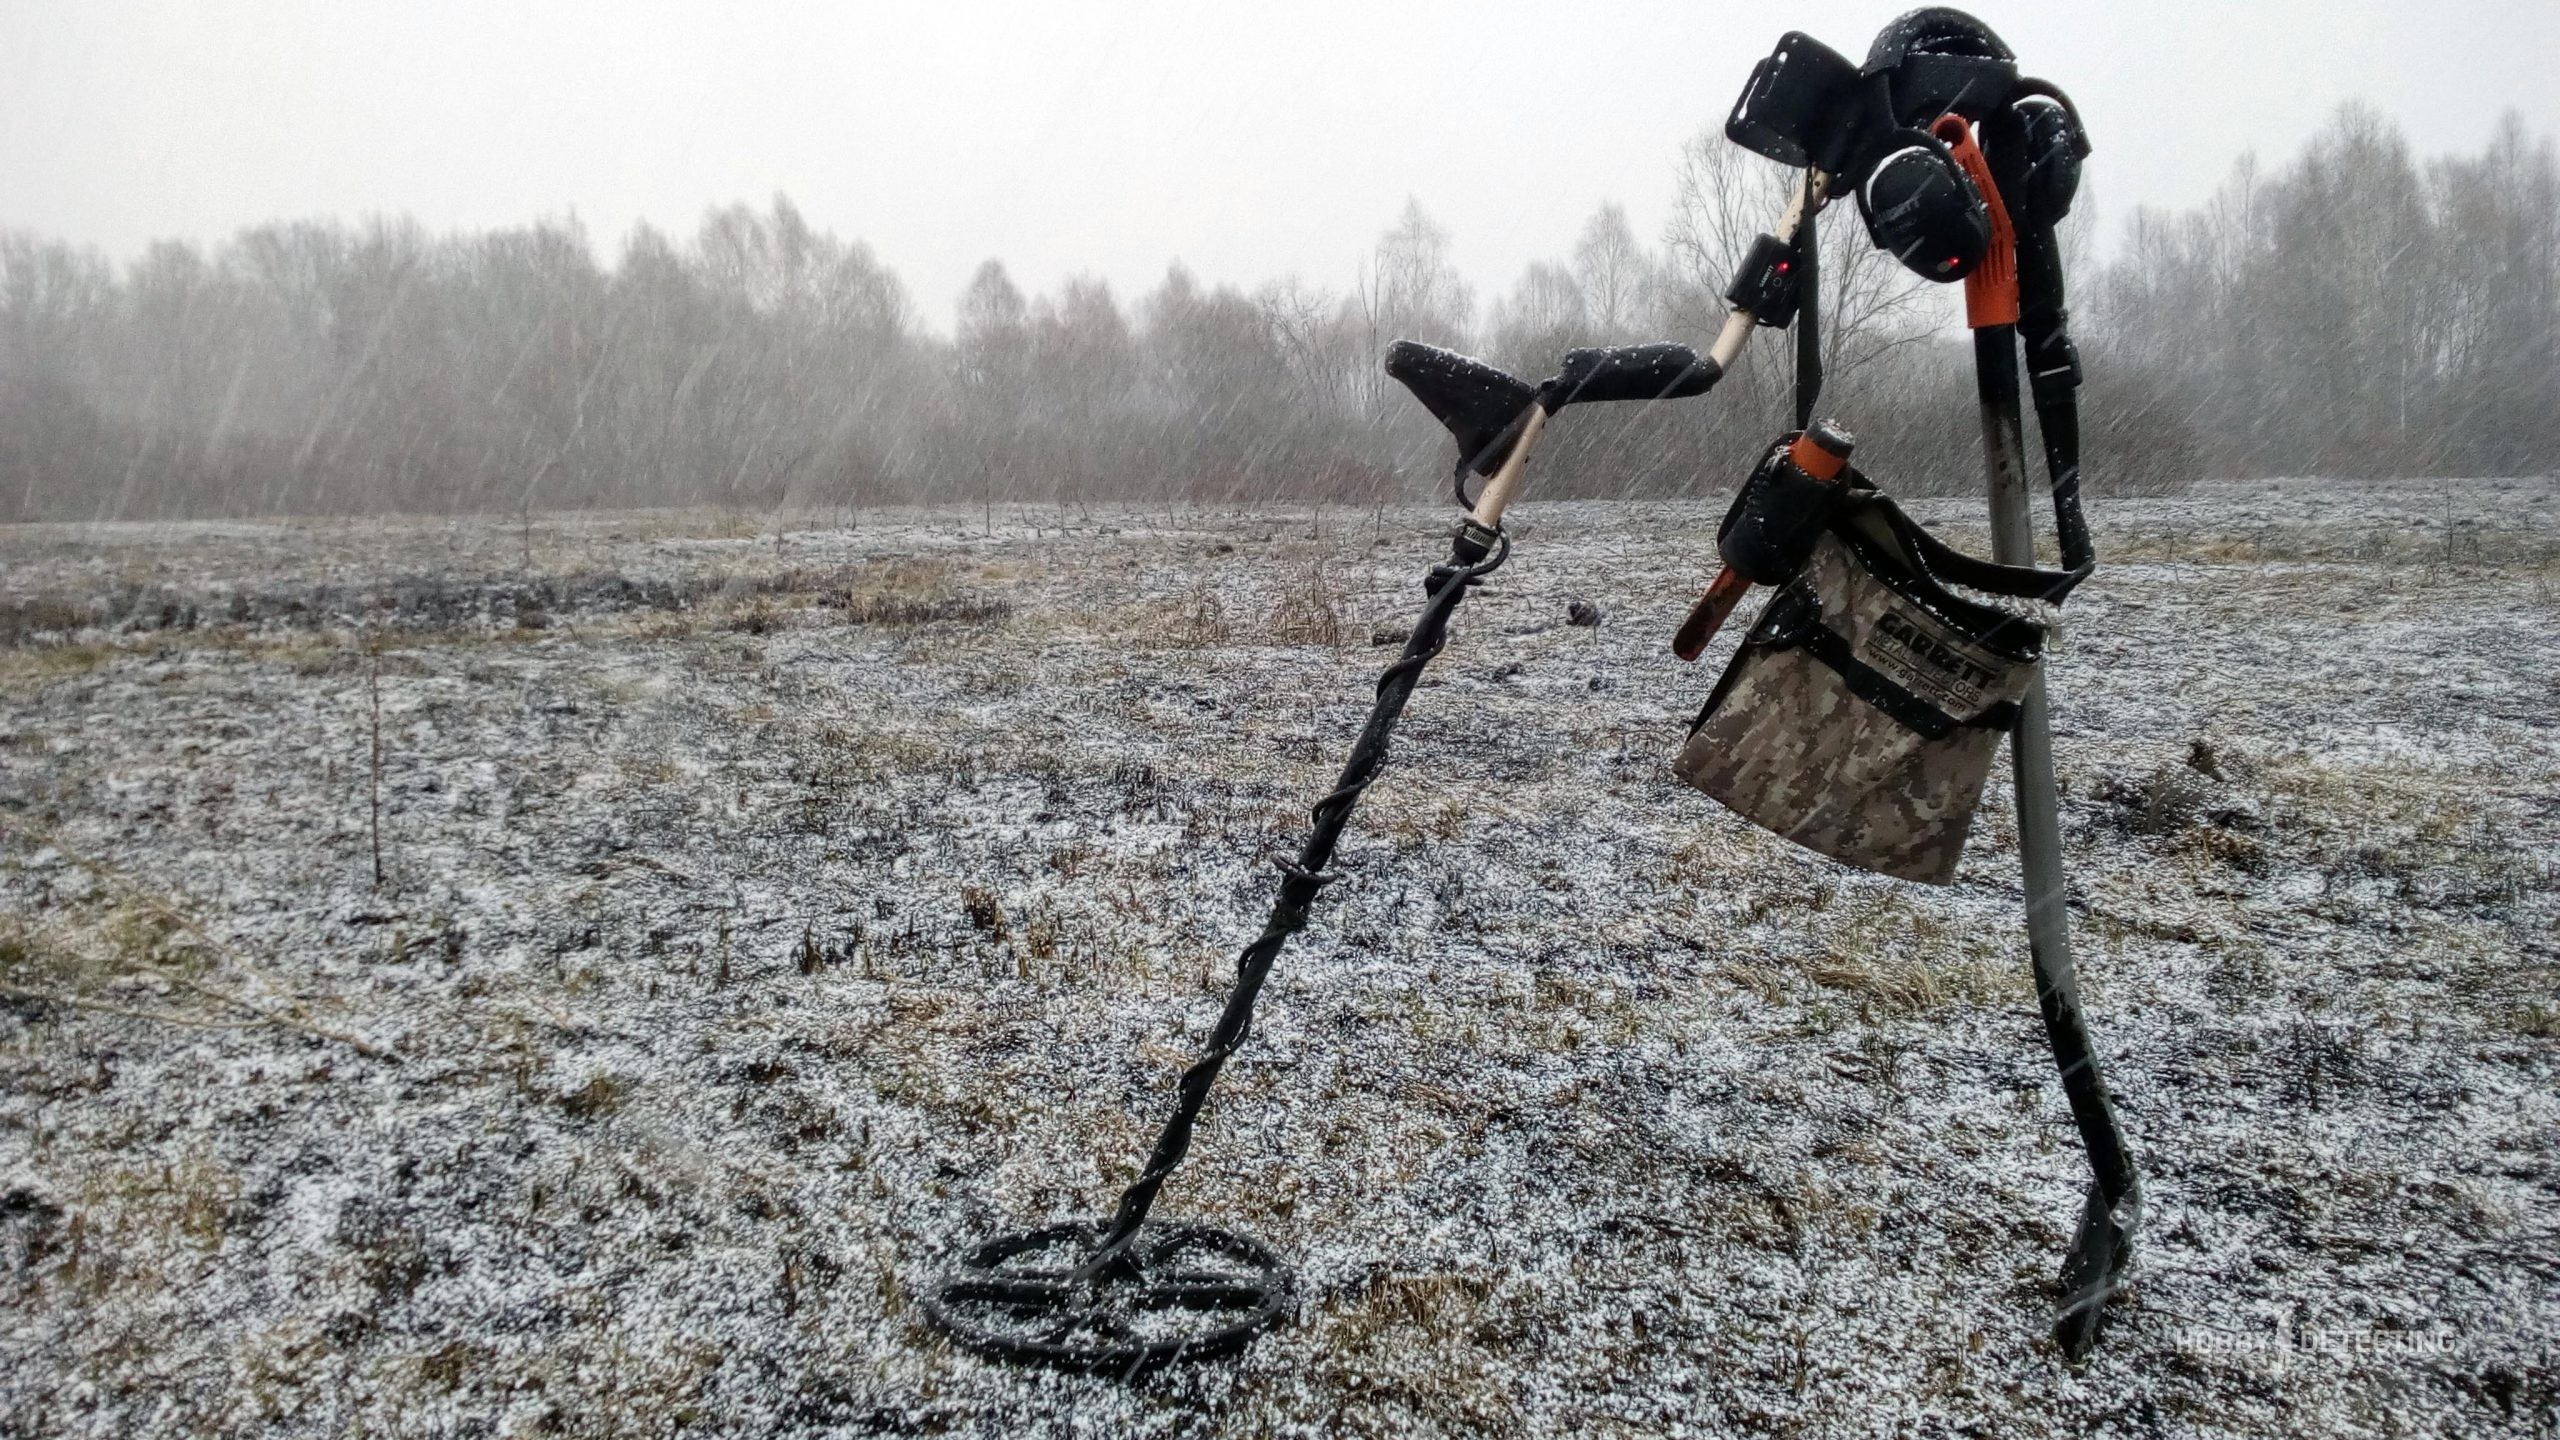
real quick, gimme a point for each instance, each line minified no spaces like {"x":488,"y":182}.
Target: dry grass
{"x":87,"y":954}
{"x":1201,"y":617}
{"x":1309,"y":610}
{"x":42,"y":617}
{"x":46,"y":664}
{"x":791,"y":960}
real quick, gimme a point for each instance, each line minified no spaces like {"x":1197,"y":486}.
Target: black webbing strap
{"x":1919,"y":567}
{"x":2053,"y":378}
{"x":2052,"y":362}
{"x":1808,"y":247}
{"x":1942,"y":563}
{"x":1906,"y":709}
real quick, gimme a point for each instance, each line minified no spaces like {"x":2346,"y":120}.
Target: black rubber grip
{"x":1630,"y":372}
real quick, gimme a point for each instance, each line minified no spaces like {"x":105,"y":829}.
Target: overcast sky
{"x":1106,"y":136}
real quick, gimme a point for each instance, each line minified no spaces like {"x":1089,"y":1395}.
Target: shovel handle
{"x":1821,"y":453}
{"x":1991,"y":291}
{"x":1709,"y":614}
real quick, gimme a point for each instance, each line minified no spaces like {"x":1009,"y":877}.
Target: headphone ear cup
{"x":1922,"y":207}
{"x":2051,"y":144}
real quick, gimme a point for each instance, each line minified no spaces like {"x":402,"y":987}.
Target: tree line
{"x":2355,"y":311}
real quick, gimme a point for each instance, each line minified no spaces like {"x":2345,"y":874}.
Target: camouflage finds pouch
{"x":1859,"y":717}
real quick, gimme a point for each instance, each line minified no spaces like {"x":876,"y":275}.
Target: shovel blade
{"x":2091,"y":1272}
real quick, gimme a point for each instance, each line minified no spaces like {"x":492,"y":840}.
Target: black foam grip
{"x":1630,"y":372}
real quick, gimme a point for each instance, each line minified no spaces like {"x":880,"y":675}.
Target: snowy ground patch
{"x":770,"y":908}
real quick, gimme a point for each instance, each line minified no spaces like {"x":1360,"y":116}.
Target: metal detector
{"x":1123,"y":1296}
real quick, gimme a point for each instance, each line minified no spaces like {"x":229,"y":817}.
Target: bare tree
{"x":1613,"y":273}
{"x":1544,"y":315}
{"x":2501,"y":300}
{"x":994,"y":324}
{"x":992,"y":347}
{"x":1083,"y":360}
{"x":1420,"y":295}
{"x":1723,"y":197}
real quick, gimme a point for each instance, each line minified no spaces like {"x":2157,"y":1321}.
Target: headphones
{"x":1807,"y":105}
{"x":2035,"y":150}
{"x":1920,"y":205}
{"x":1923,"y":209}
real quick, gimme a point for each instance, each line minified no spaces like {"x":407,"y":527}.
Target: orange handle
{"x":1816,"y":459}
{"x":1991,"y":291}
{"x":1708,"y":615}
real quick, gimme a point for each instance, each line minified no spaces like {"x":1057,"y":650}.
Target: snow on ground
{"x":770,"y":908}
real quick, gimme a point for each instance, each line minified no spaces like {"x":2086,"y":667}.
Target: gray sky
{"x":1105,"y":136}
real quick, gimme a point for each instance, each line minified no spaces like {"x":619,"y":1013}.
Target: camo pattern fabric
{"x":1789,"y":745}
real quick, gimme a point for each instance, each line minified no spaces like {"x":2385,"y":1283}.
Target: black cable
{"x":1473,"y":554}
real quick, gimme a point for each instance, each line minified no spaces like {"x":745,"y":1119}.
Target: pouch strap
{"x":1793,"y":621}
{"x":1920,"y":568}
{"x":1906,"y":709}
{"x":1947,"y":565}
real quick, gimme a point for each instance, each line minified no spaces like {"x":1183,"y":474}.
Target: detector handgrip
{"x":1629,"y":372}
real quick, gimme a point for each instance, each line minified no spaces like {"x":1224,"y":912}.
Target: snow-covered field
{"x":770,"y":908}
